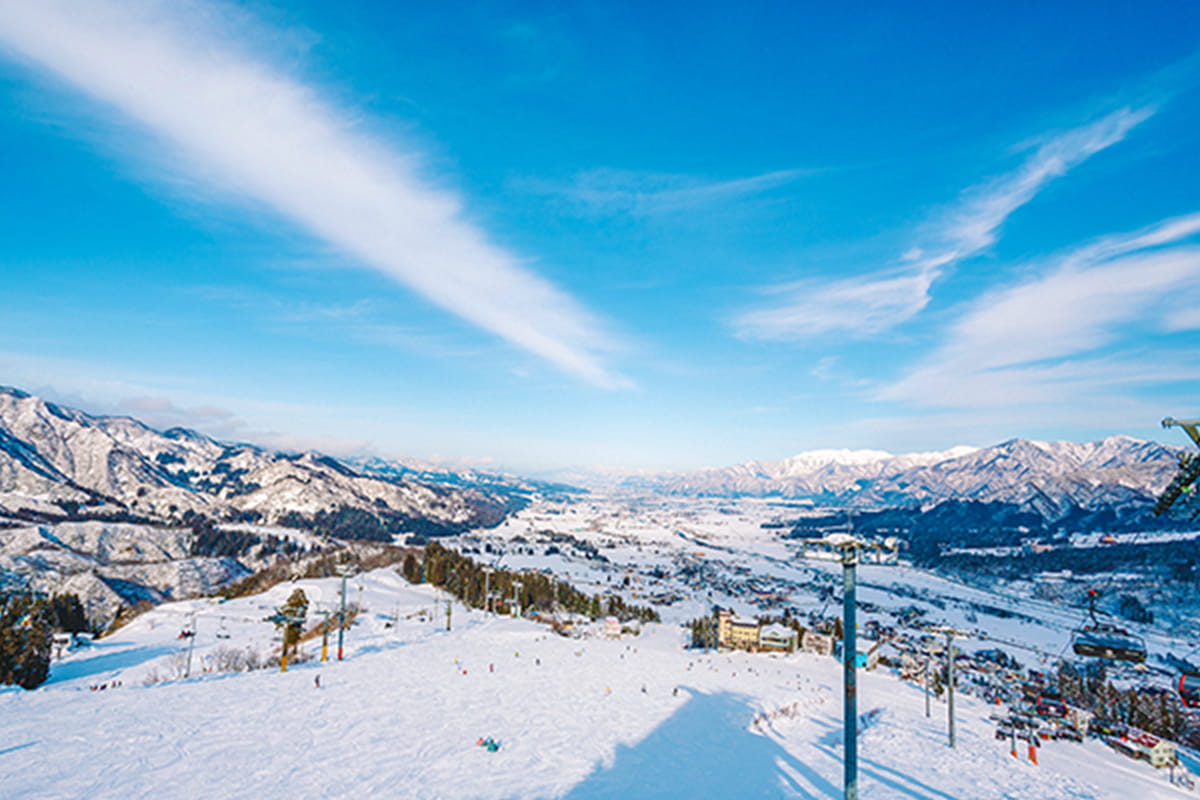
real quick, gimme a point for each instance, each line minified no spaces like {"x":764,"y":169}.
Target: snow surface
{"x":577,"y":718}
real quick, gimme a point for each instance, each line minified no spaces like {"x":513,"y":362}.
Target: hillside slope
{"x":631,"y":718}
{"x":60,"y":463}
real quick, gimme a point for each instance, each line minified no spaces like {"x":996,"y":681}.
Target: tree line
{"x":27,"y":624}
{"x":472,"y":582}
{"x":1155,"y":710}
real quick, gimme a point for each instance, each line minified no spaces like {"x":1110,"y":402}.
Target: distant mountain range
{"x":1117,"y":469}
{"x":58,"y":463}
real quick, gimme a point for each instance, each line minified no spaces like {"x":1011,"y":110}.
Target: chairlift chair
{"x":1189,"y":689}
{"x":1104,"y":640}
{"x":1050,"y":704}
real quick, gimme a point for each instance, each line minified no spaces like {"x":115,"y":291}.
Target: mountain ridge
{"x":1114,"y":469}
{"x":63,"y":463}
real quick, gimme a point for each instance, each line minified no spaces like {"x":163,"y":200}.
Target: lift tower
{"x":1181,"y":493}
{"x":850,"y":550}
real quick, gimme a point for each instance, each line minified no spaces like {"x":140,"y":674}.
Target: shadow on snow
{"x":102,"y":663}
{"x":704,"y":750}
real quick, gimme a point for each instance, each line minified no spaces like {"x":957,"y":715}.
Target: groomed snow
{"x":588,"y":718}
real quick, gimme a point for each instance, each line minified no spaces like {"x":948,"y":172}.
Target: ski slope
{"x":638,"y":717}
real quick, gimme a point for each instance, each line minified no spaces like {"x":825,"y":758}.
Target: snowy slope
{"x":577,"y":719}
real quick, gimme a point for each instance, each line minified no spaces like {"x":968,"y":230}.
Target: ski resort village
{"x":527,"y":400}
{"x":623,"y":641}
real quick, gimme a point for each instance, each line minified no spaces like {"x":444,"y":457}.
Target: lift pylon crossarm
{"x":835,"y":546}
{"x":1190,"y":426}
{"x":1184,"y":482}
{"x":1189,"y":472}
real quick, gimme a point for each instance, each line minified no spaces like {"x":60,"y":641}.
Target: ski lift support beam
{"x":345,"y":571}
{"x":1190,"y":426}
{"x":1184,"y":482}
{"x":950,"y":633}
{"x":850,"y":550}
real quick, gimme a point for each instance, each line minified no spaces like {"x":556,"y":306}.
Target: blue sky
{"x":635,"y":235}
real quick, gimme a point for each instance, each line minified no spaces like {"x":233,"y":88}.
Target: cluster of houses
{"x":1139,"y":744}
{"x":746,"y":633}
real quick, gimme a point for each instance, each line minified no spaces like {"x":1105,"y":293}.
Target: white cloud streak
{"x":247,"y":129}
{"x":880,"y":300}
{"x":641,"y":194}
{"x":1041,"y":342}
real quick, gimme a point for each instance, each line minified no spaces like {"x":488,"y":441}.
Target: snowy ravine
{"x":577,"y":718}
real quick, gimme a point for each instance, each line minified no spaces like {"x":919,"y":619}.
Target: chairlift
{"x":1104,"y":640}
{"x":1189,"y":689}
{"x":1050,"y":704}
{"x":222,"y":632}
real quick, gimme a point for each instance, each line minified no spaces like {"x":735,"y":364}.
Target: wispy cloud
{"x":604,"y":192}
{"x":1052,"y":339}
{"x":161,"y":412}
{"x":168,"y":401}
{"x":879,"y":300}
{"x":243,"y":127}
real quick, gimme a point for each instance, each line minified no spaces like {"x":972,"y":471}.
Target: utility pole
{"x":928,"y":666}
{"x":950,"y":685}
{"x":487,"y":579}
{"x":345,"y":570}
{"x":850,"y":551}
{"x":516,"y":609}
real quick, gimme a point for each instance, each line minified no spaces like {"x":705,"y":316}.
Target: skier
{"x":317,"y":680}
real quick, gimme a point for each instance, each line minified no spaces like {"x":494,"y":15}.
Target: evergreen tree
{"x":412,"y":569}
{"x":26,"y":624}
{"x":69,"y":615}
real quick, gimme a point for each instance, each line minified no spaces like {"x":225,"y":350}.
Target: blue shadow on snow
{"x":107,"y":662}
{"x":704,"y":750}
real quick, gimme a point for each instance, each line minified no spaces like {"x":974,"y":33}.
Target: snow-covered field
{"x":737,"y":555}
{"x":638,"y":717}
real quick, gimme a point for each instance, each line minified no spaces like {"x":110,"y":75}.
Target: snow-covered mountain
{"x":57,"y":462}
{"x":1112,"y":470}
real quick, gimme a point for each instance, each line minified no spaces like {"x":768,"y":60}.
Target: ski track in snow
{"x":399,"y":718}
